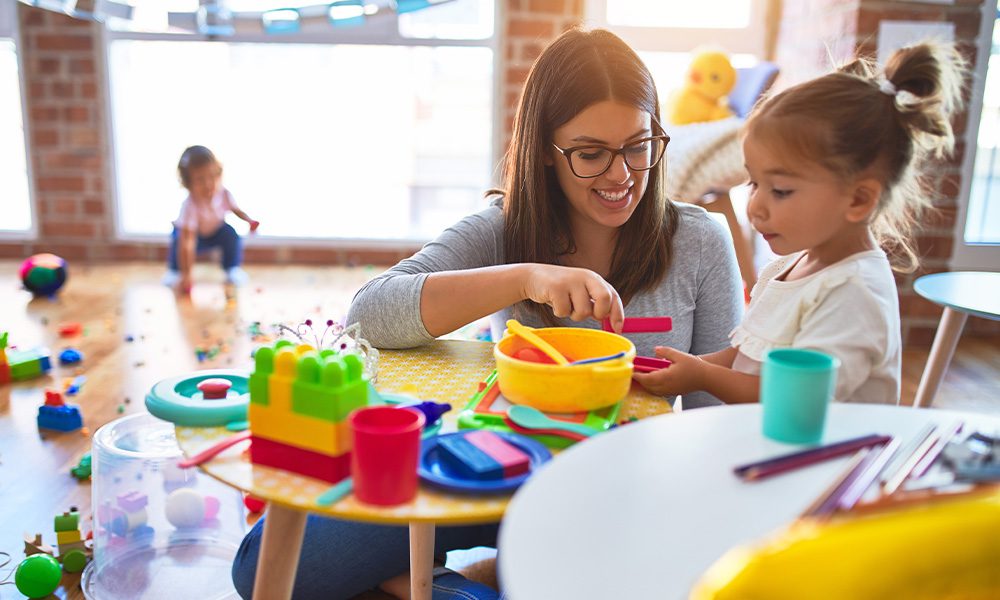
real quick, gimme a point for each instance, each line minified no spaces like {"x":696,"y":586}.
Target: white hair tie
{"x":886,"y":87}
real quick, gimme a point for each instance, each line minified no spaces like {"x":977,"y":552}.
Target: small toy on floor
{"x":56,"y":414}
{"x":18,"y":365}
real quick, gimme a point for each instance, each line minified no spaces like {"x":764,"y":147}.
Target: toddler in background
{"x":202,"y":225}
{"x":834,"y":165}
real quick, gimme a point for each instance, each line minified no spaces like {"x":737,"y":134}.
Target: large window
{"x":380,"y":132}
{"x":664,"y":32}
{"x":982,"y":225}
{"x":15,"y":200}
{"x":977,"y":235}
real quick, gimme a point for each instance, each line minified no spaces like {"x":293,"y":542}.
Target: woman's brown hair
{"x":577,"y":70}
{"x":857,"y":120}
{"x":193,"y":158}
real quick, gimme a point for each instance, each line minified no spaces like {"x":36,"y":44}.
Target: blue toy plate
{"x":435,"y":472}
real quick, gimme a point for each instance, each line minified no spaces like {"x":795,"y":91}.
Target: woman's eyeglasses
{"x":594,"y":161}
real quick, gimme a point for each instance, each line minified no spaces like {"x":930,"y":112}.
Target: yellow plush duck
{"x":709,"y":78}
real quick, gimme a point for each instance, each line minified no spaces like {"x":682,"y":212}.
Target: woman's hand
{"x":686,"y":374}
{"x":575,"y":293}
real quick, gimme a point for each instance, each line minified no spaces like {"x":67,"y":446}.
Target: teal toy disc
{"x":179,"y":401}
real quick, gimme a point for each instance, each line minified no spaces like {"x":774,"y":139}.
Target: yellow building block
{"x":67,"y":537}
{"x":300,"y":430}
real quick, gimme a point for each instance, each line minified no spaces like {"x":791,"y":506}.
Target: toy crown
{"x":342,"y":340}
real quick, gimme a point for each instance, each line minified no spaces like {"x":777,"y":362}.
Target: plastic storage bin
{"x":159,"y":531}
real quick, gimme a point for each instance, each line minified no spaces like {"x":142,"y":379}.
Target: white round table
{"x":961,"y":293}
{"x":642,"y":511}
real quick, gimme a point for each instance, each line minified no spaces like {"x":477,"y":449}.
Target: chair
{"x":705,"y":160}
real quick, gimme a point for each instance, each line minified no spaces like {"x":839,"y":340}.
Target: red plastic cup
{"x":386,"y":450}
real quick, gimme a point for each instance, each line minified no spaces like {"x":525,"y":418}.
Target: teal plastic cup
{"x":796,"y":385}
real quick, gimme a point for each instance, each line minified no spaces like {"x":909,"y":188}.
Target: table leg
{"x":945,"y":340}
{"x":421,"y":560}
{"x":279,"y":553}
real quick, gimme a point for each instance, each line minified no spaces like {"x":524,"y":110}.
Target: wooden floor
{"x":116,"y":301}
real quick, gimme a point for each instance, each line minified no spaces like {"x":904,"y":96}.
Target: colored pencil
{"x":870,"y":475}
{"x":805,"y":458}
{"x":927,"y":438}
{"x":932,"y":455}
{"x":823,"y":504}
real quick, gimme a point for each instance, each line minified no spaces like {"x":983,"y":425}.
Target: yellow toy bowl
{"x":566,"y":389}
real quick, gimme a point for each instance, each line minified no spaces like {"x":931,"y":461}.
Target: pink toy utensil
{"x":210,"y":453}
{"x":641,"y":325}
{"x":648,"y":364}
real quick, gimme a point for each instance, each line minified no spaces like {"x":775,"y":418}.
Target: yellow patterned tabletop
{"x":443,"y":371}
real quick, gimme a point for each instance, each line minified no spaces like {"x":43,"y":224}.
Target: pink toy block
{"x":513,"y":461}
{"x":132,"y":501}
{"x":298,"y":460}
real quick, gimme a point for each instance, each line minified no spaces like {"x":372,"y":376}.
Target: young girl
{"x":202,"y":223}
{"x":833,"y":167}
{"x":583,"y":231}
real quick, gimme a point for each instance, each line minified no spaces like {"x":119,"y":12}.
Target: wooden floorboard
{"x":118,"y":300}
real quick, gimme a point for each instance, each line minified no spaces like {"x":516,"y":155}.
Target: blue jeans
{"x":225,"y":237}
{"x":341,"y":559}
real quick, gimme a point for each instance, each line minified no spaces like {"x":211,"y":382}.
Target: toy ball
{"x":38,"y":576}
{"x":185,"y":508}
{"x":43,"y":274}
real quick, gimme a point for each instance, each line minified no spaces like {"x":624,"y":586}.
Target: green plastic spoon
{"x":532,"y":418}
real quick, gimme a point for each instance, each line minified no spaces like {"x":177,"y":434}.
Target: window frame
{"x":381,"y":30}
{"x":965,"y":255}
{"x":10,"y":29}
{"x":683,"y":39}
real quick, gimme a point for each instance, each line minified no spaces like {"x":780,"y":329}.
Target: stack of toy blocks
{"x":18,"y":365}
{"x":56,"y":414}
{"x":299,"y":403}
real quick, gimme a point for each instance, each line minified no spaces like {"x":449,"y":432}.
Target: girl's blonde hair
{"x":858,"y":120}
{"x":577,"y":70}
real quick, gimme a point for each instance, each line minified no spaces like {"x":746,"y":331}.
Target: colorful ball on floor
{"x":38,"y":576}
{"x":43,"y":274}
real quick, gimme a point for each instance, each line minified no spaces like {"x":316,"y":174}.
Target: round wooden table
{"x":443,"y":371}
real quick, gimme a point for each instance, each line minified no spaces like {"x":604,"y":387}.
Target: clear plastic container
{"x":159,"y":531}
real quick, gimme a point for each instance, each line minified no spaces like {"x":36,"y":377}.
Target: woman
{"x":582,"y":232}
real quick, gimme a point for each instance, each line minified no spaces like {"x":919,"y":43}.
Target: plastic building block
{"x":300,"y":430}
{"x":469,"y":461}
{"x":82,"y":470}
{"x":54,"y":398}
{"x":329,"y":387}
{"x":70,"y":356}
{"x":68,"y":521}
{"x":132,"y":501}
{"x":28,"y":363}
{"x":70,"y":329}
{"x":5,"y":373}
{"x":304,"y":462}
{"x":513,"y":461}
{"x":60,"y":418}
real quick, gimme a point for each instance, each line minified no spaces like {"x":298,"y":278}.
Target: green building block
{"x":329,"y":386}
{"x":69,"y":521}
{"x":263,"y":367}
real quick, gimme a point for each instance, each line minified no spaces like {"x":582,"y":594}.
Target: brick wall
{"x":67,"y":125}
{"x":528,"y":27}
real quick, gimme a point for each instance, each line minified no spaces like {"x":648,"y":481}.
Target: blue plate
{"x":437,"y":472}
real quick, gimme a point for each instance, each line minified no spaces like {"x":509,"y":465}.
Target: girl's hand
{"x":254,"y":225}
{"x":575,"y":293}
{"x":184,"y":287}
{"x":686,"y":374}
